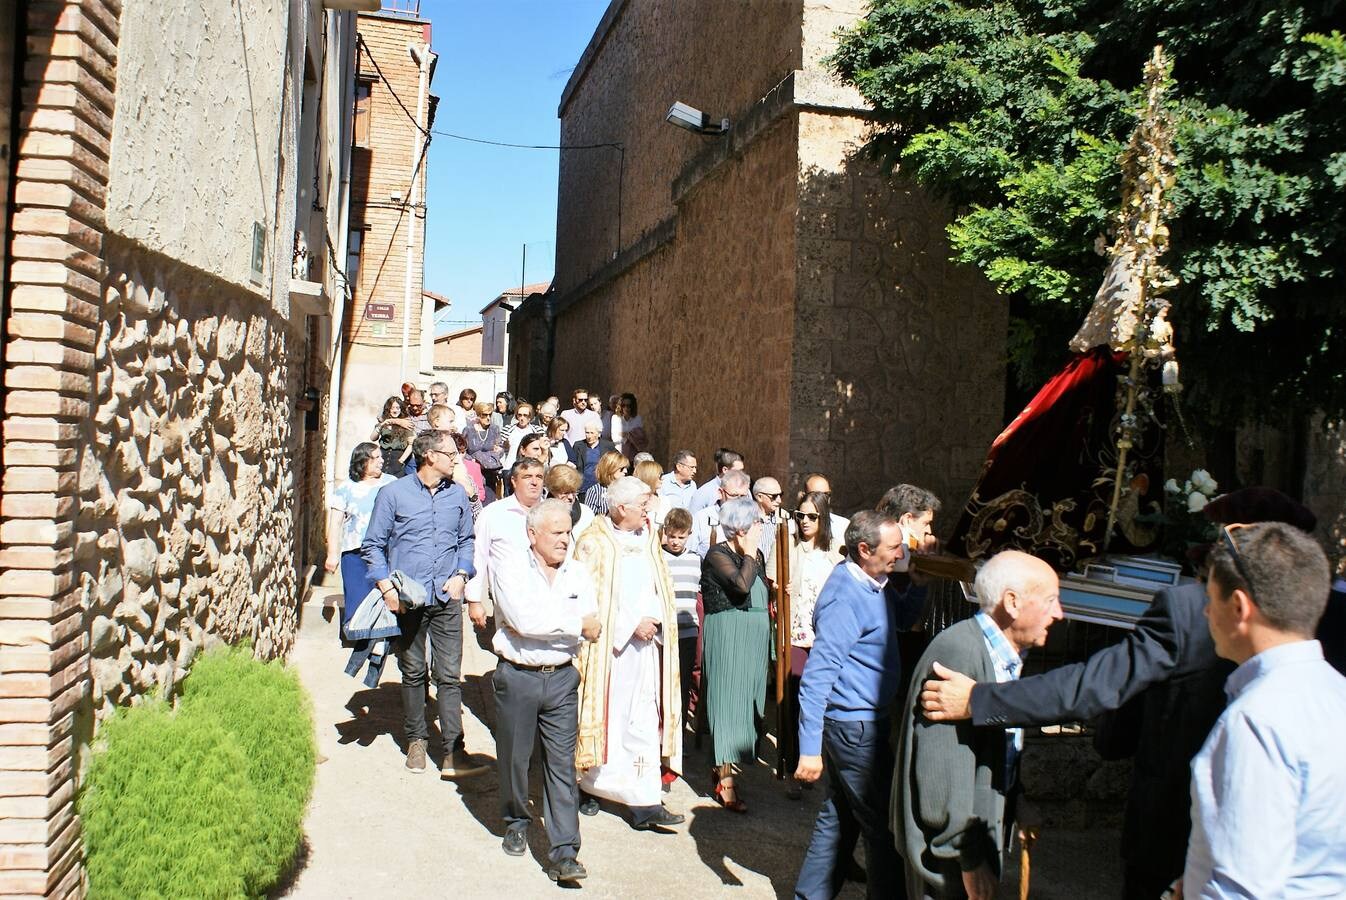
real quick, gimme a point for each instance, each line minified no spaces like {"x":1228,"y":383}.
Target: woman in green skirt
{"x":736,"y":640}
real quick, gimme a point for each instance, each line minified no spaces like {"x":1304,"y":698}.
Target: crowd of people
{"x":630,"y":606}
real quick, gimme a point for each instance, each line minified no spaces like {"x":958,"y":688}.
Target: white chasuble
{"x":631,"y":774}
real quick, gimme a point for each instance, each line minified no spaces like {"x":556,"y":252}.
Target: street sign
{"x":380,"y":312}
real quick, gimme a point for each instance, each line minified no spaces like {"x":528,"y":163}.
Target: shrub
{"x":264,"y":708}
{"x":169,"y":810}
{"x":206,"y":801}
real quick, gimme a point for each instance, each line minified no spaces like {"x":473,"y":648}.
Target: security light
{"x":694,"y":120}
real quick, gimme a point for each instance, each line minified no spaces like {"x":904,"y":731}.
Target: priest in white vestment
{"x":630,"y":728}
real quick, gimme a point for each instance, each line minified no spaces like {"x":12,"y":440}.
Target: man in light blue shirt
{"x":1268,"y":818}
{"x":679,"y":484}
{"x":726,"y":460}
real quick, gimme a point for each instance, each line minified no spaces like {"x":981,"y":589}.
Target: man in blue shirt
{"x":422,"y":526}
{"x":845,"y":696}
{"x":1267,"y":787}
{"x":726,"y":460}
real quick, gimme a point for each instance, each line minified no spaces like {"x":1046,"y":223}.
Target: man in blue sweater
{"x":845,"y":696}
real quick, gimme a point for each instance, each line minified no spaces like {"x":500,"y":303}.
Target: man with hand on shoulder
{"x":955,"y":787}
{"x":544,"y":611}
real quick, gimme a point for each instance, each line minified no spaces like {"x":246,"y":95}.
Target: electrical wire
{"x":397,"y":226}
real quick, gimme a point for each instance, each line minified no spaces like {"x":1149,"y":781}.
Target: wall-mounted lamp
{"x":693,"y":119}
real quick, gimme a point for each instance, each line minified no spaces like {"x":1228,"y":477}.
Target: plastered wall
{"x":195,"y":142}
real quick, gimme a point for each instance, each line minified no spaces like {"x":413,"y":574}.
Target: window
{"x":362,"y":110}
{"x":355,"y":243}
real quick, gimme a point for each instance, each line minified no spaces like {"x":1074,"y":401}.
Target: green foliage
{"x":168,"y":810}
{"x":1017,"y":111}
{"x":208,"y":800}
{"x":264,"y":708}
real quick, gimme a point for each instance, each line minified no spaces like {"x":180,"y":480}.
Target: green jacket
{"x":948,"y":802}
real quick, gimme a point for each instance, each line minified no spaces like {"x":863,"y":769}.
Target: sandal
{"x":732,"y":804}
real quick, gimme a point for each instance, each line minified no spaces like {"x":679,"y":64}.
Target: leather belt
{"x":545,"y":670}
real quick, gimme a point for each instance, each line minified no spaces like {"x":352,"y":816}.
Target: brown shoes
{"x":416,"y":756}
{"x":461,"y":764}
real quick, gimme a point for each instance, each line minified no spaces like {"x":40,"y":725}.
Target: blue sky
{"x":502,"y":67}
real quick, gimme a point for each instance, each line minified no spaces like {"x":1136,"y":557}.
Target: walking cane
{"x":1029,"y":836}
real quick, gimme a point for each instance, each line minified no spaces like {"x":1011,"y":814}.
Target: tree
{"x":1017,"y":111}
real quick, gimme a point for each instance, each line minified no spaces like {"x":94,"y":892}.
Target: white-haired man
{"x":630,"y":724}
{"x":544,"y":612}
{"x":954,"y":786}
{"x":705,"y":522}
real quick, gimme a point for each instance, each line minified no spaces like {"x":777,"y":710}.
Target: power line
{"x":389,"y":85}
{"x":615,"y":145}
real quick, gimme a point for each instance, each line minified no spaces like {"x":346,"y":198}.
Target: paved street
{"x":375,"y":830}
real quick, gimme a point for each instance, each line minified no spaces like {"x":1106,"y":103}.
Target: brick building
{"x":165,"y":325}
{"x":383,"y":342}
{"x":766,"y":289}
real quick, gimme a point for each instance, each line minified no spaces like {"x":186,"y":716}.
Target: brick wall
{"x":377,"y":173}
{"x":652,"y":53}
{"x":61,"y":185}
{"x":463,"y":349}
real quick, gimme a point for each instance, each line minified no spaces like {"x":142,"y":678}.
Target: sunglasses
{"x":1227,"y":538}
{"x":806,"y":517}
{"x":775,"y":496}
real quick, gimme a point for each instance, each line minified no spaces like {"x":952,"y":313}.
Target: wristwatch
{"x":462,"y":572}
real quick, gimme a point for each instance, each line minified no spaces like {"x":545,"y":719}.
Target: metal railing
{"x":402,"y":7}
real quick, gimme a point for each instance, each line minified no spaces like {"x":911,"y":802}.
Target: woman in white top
{"x":352,"y":505}
{"x":628,"y":428}
{"x":516,"y":429}
{"x":814,"y":553}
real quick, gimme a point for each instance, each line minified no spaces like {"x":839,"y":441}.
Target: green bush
{"x":264,"y":708}
{"x":168,"y":809}
{"x":208,"y":800}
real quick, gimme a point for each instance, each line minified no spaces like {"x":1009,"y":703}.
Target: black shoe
{"x":663,"y":819}
{"x":567,"y":870}
{"x":515,"y":842}
{"x":589,"y":807}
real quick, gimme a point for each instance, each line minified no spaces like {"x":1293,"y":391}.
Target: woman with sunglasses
{"x":814,"y":553}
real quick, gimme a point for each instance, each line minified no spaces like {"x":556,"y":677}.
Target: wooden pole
{"x":782,"y":578}
{"x":1025,"y":863}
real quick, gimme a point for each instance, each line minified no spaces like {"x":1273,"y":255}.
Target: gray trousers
{"x":442,"y":626}
{"x":530,"y":706}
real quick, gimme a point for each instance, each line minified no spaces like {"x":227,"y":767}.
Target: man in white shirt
{"x":580,"y":414}
{"x":544,"y":609}
{"x":501,"y":549}
{"x":706,"y":522}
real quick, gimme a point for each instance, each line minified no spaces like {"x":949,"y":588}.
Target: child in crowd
{"x":684,"y":565}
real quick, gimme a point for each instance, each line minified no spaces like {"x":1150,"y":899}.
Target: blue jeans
{"x":858,"y":767}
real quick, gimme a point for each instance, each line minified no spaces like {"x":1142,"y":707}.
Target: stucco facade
{"x":163,"y":373}
{"x":767,"y":289}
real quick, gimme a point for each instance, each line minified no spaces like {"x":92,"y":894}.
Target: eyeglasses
{"x":806,"y":517}
{"x":689,"y":466}
{"x":1227,"y":538}
{"x":775,"y":496}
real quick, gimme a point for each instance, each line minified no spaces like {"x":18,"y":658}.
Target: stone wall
{"x":773,"y":292}
{"x":700,"y":329}
{"x":1325,"y":486}
{"x":899,"y":356}
{"x":646,"y":54}
{"x":185,"y":525}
